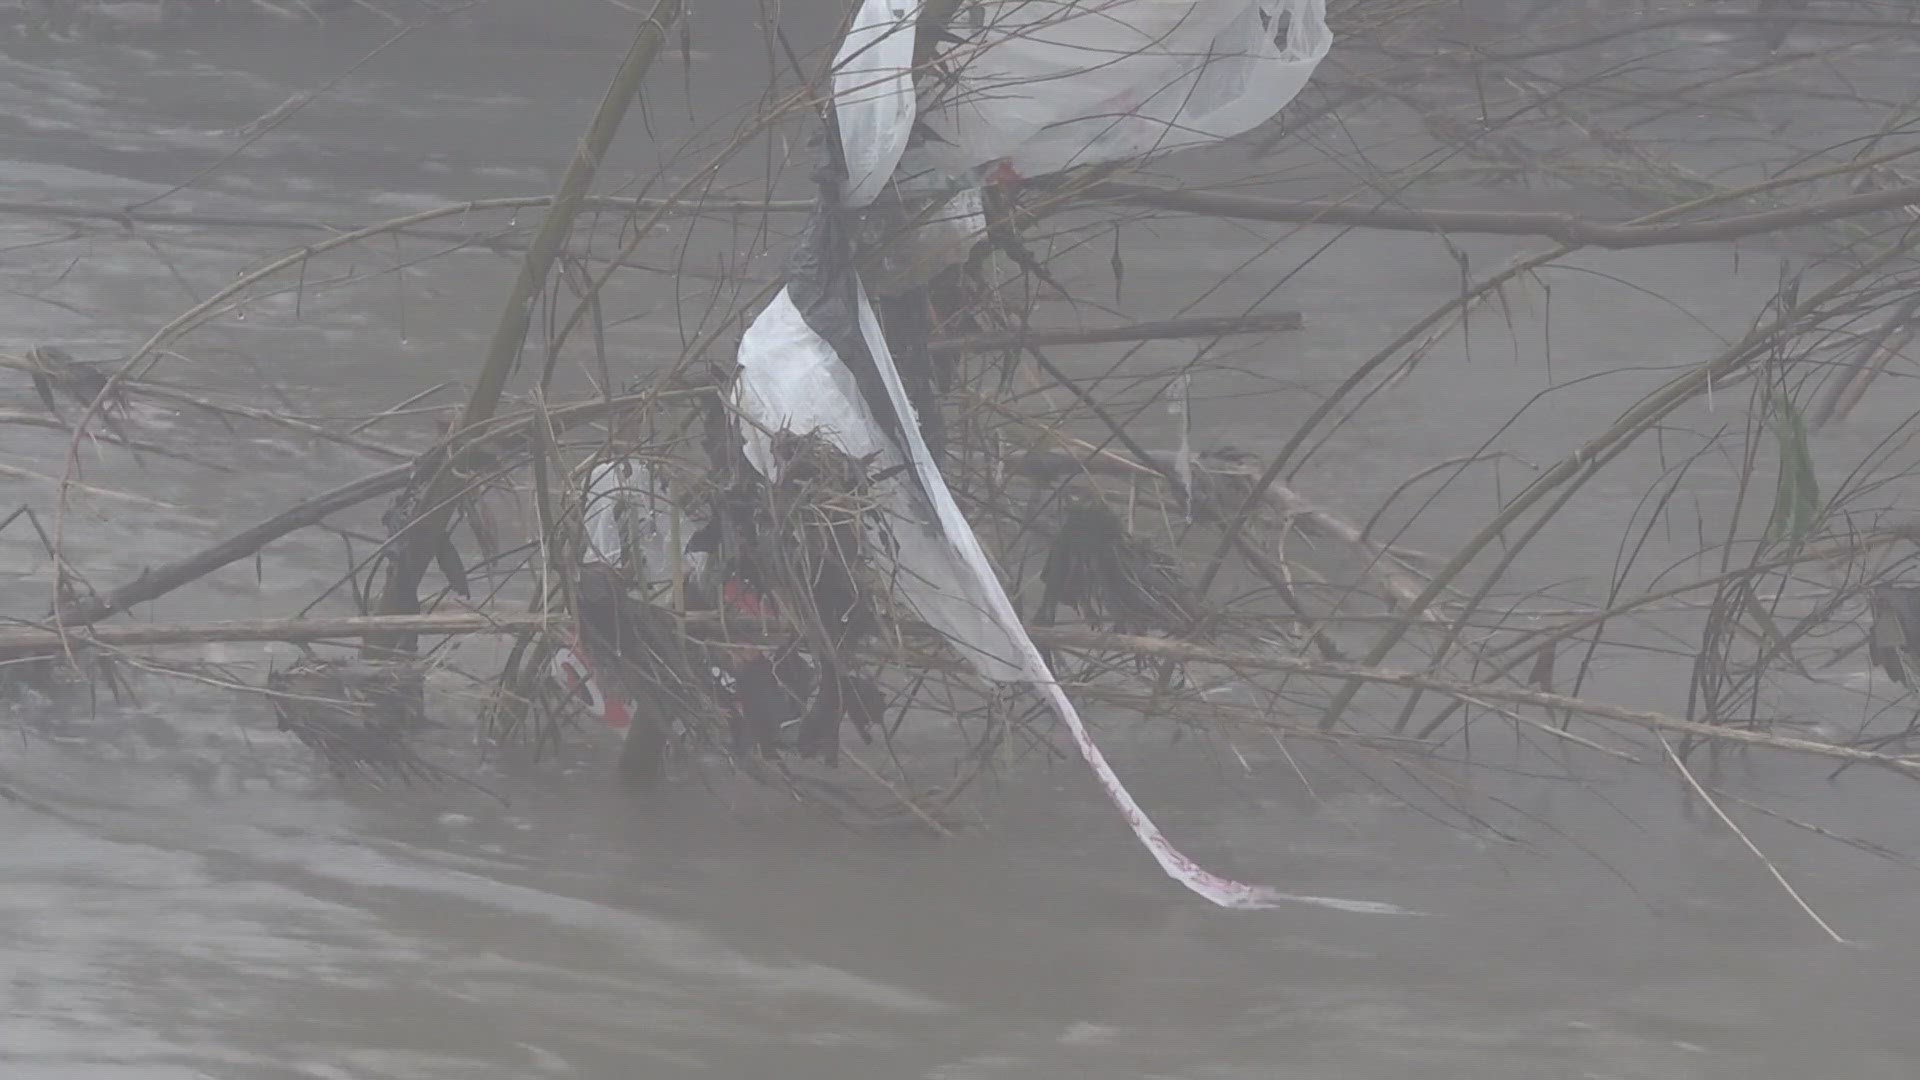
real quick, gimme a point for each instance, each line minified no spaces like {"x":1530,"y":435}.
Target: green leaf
{"x":1796,"y":502}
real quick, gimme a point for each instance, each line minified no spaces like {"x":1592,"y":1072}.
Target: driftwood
{"x":419,"y":540}
{"x":1568,"y":229}
{"x":1022,"y":449}
{"x":1213,"y":326}
{"x":157,"y":582}
{"x":23,"y":641}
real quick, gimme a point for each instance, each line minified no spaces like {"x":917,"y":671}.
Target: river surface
{"x":187,"y":896}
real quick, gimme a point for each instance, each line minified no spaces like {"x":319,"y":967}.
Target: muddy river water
{"x":182,"y":896}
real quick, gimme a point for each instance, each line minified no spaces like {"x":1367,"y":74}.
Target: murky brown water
{"x":185,"y":898}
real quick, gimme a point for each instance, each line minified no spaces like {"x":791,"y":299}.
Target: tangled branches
{"x":1688,"y":484}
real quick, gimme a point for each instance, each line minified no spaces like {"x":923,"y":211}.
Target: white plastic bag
{"x":792,"y":380}
{"x":873,"y":98}
{"x":1047,"y":85}
{"x":1030,"y":667}
{"x":1063,"y":83}
{"x":905,"y":251}
{"x":628,"y":517}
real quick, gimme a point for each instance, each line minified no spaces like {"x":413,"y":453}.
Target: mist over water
{"x":188,"y":895}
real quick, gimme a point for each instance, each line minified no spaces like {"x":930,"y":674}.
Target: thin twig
{"x":1714,"y":805}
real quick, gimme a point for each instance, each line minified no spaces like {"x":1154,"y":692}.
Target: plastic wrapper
{"x":1033,"y":670}
{"x":906,"y":248}
{"x":1054,"y":86}
{"x":792,"y":379}
{"x":1043,"y":87}
{"x":629,"y":521}
{"x":873,"y":94}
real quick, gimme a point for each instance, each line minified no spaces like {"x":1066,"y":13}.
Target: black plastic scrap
{"x":1894,"y":640}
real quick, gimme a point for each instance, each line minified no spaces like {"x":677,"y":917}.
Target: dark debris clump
{"x":1110,"y":577}
{"x":359,"y":717}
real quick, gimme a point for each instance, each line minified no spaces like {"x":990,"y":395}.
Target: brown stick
{"x":104,"y":493}
{"x":1179,"y":650}
{"x":39,"y":420}
{"x":1716,"y":19}
{"x":31,"y":640}
{"x":154,"y":583}
{"x":1204,"y":326}
{"x":316,"y":628}
{"x":169,"y":393}
{"x":1566,"y":228}
{"x":400,"y":593}
{"x":82,"y":212}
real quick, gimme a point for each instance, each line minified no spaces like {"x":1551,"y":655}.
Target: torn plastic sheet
{"x":821,"y":276}
{"x":904,"y":249}
{"x":1069,"y":84}
{"x":1047,"y":86}
{"x":574,"y":672}
{"x":794,"y":378}
{"x":873,"y":96}
{"x":628,"y":521}
{"x":1222,"y":891}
